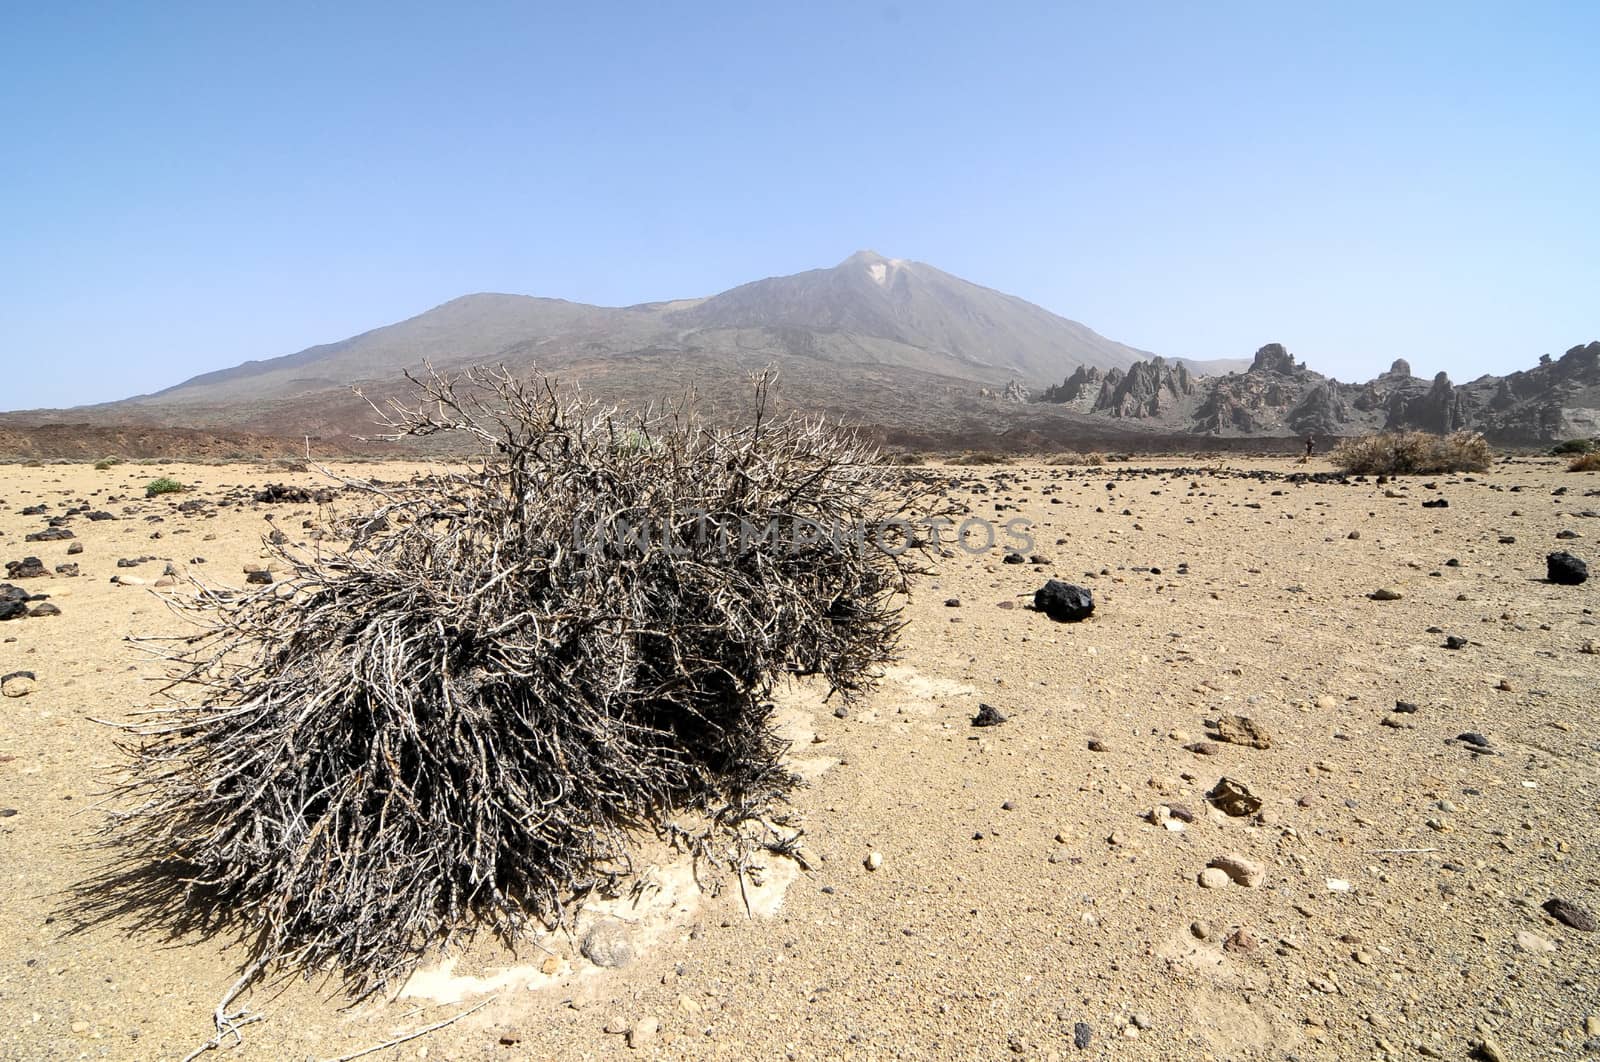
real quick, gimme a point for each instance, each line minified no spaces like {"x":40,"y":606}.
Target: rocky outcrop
{"x":1279,"y":396}
{"x":1082,"y":386}
{"x":1148,"y":389}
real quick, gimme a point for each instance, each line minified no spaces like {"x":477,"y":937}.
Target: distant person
{"x":1311,"y":445}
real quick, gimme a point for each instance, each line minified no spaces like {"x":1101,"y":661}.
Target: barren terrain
{"x":1031,"y":889}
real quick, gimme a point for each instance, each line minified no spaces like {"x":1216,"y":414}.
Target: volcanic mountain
{"x":867,"y":312}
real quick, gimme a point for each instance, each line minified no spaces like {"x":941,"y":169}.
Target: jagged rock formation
{"x":1083,"y":385}
{"x":1278,"y":396}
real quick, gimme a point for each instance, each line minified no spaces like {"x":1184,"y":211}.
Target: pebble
{"x":1081,"y":1035}
{"x":607,"y":944}
{"x":873,"y":861}
{"x":1570,"y":914}
{"x":1240,"y":870}
{"x":18,"y":684}
{"x":1533,"y":943}
{"x":1214,"y":878}
{"x":643,"y":1033}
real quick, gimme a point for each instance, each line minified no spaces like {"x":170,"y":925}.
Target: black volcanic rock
{"x":1565,"y":569}
{"x":1064,"y":602}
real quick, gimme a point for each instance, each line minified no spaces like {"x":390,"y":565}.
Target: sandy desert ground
{"x":1035,"y":897}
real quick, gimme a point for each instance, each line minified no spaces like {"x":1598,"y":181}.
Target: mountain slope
{"x":919,"y":306}
{"x":868,"y":310}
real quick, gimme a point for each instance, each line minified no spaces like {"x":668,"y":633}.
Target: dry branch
{"x":454,"y":723}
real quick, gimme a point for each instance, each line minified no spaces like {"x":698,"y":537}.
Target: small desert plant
{"x":1589,"y":462}
{"x":1095,"y":459}
{"x":1414,"y":453}
{"x":979,"y":457}
{"x":163,"y":485}
{"x":1065,"y":457}
{"x":107,"y":462}
{"x":456,"y":722}
{"x":1571,"y":446}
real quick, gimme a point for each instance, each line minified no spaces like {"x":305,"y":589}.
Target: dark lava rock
{"x":75,"y":548}
{"x":1476,"y":743}
{"x":26,"y":568}
{"x":278,"y":492}
{"x":1063,"y":602}
{"x":67,"y":569}
{"x":952,"y":602}
{"x":1081,"y":1035}
{"x":1015,"y":558}
{"x":1437,"y":503}
{"x":988,"y":715}
{"x":50,"y":534}
{"x":1455,"y":641}
{"x":259,"y":578}
{"x":1405,"y":707}
{"x":44,"y":609}
{"x":1565,"y":569}
{"x":1570,"y":914}
{"x":99,"y":515}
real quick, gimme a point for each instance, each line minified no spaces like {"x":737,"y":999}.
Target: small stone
{"x":1241,"y":942}
{"x":1201,"y":930}
{"x":18,"y":684}
{"x":1240,"y":870}
{"x":873,"y":861}
{"x":1570,"y":914}
{"x":1234,"y":798}
{"x":44,"y":608}
{"x":1214,"y":878}
{"x":988,"y":715}
{"x":1141,"y":1020}
{"x":1204,"y":748}
{"x":1565,"y":569}
{"x":1533,"y":943}
{"x":1081,"y":1035}
{"x":643,"y":1033}
{"x":608,"y":944}
{"x":1064,"y":602}
{"x":1096,"y":745}
{"x":1591,"y":1025}
{"x":1489,"y":1051}
{"x":1383,"y":593}
{"x":1242,"y":730}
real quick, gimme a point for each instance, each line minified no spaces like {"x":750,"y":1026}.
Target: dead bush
{"x":1413,"y":452}
{"x":1589,"y":462}
{"x":455,"y":722}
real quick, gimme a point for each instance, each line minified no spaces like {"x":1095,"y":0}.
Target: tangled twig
{"x":455,"y":722}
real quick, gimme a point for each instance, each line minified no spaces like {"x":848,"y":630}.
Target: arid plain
{"x":1035,"y":889}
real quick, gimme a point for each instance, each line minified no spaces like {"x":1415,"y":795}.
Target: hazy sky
{"x":186,"y":187}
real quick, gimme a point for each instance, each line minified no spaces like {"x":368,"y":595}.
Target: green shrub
{"x":163,"y":485}
{"x":1413,"y":453}
{"x":1572,"y":446}
{"x":106,"y":462}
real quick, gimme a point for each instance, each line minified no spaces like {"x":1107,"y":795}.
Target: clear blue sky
{"x":183,"y":187}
